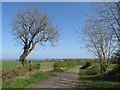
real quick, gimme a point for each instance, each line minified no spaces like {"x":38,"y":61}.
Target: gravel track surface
{"x":66,"y":79}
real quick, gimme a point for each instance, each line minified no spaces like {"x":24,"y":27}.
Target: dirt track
{"x":66,"y":79}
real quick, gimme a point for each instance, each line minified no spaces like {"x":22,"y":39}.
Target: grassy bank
{"x":95,"y":81}
{"x":21,"y":77}
{"x":90,"y":78}
{"x":24,"y":82}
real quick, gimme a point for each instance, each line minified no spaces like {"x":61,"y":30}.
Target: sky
{"x":59,"y":0}
{"x":68,"y":16}
{"x":0,"y":30}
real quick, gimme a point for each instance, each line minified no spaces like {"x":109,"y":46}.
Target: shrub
{"x":56,"y":65}
{"x":92,"y":72}
{"x":59,"y":65}
{"x":116,"y":58}
{"x":30,"y":68}
{"x":113,"y":74}
{"x":58,"y":70}
{"x":37,"y":66}
{"x":87,"y":64}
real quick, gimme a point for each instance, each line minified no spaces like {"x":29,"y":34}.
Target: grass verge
{"x":91,"y":81}
{"x":24,"y":82}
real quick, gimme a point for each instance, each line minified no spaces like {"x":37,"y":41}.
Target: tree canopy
{"x":32,"y":26}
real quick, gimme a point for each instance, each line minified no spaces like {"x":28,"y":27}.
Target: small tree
{"x":30,"y":27}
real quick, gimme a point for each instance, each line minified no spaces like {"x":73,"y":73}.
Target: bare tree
{"x":102,"y":30}
{"x":30,"y":27}
{"x":99,"y":41}
{"x":109,"y":13}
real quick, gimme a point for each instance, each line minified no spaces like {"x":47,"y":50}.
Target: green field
{"x":46,"y":65}
{"x":10,"y":64}
{"x":0,"y":64}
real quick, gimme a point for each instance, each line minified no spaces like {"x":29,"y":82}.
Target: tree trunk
{"x":103,"y":66}
{"x":22,"y":58}
{"x":26,"y":52}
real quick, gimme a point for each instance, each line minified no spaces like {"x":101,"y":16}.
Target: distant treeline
{"x":67,"y":60}
{"x":59,"y":60}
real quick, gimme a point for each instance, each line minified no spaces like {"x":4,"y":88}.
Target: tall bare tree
{"x":32,"y":26}
{"x":102,"y":30}
{"x":100,"y":42}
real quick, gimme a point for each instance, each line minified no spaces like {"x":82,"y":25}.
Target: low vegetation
{"x":14,"y":76}
{"x":87,"y":64}
{"x":10,"y":64}
{"x":21,"y":77}
{"x":90,"y":77}
{"x":114,"y":74}
{"x":24,"y":82}
{"x":66,"y":65}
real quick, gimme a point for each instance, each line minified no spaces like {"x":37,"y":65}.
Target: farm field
{"x":12,"y":64}
{"x":46,"y":66}
{"x":0,"y":64}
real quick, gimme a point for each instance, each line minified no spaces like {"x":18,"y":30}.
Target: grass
{"x":111,"y":66}
{"x":24,"y":82}
{"x":10,"y":64}
{"x":33,"y":78}
{"x":29,"y":78}
{"x":0,"y":64}
{"x":89,"y":80}
{"x":47,"y":65}
{"x":67,"y":64}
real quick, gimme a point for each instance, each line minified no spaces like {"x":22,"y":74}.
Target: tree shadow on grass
{"x":96,"y":82}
